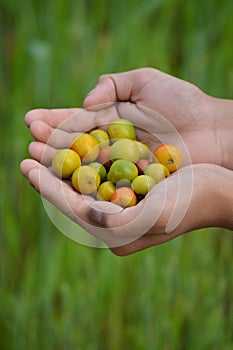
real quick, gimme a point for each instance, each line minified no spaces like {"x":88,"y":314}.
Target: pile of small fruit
{"x":112,"y":165}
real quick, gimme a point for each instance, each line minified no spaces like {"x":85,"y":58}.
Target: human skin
{"x":205,"y":123}
{"x":151,"y":100}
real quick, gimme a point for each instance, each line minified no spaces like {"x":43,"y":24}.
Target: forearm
{"x":222,"y":112}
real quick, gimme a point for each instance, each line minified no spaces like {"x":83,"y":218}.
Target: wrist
{"x":212,"y":204}
{"x":221,"y":112}
{"x":221,"y":197}
{"x":225,"y":198}
{"x":210,"y":194}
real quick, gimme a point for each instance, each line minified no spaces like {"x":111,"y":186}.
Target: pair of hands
{"x":163,"y":109}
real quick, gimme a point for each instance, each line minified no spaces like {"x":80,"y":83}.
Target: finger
{"x":41,"y":152}
{"x":27,"y":164}
{"x":31,"y":168}
{"x":82,"y":121}
{"x":103,"y":93}
{"x":142,"y":243}
{"x":131,"y":223}
{"x":56,"y":138}
{"x":115,"y":234}
{"x":86,"y":120}
{"x":147,"y":122}
{"x":118,"y":87}
{"x":62,"y":196}
{"x":57,"y":192}
{"x":53,"y":117}
{"x":161,"y":212}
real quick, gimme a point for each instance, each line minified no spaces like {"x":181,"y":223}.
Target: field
{"x":55,"y":293}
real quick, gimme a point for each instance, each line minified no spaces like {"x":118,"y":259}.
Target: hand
{"x":132,"y":229}
{"x":172,"y":106}
{"x":53,"y":130}
{"x":195,"y":197}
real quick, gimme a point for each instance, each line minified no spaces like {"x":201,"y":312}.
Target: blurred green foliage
{"x":54,"y":293}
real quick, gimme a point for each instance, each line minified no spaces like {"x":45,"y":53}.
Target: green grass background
{"x":57,"y":294}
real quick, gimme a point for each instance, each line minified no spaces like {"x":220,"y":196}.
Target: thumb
{"x":103,"y":93}
{"x":117,"y":87}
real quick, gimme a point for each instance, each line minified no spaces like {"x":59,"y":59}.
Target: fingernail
{"x":97,"y":216}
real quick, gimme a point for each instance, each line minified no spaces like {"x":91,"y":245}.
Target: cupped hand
{"x":179,"y":204}
{"x":170,"y":106}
